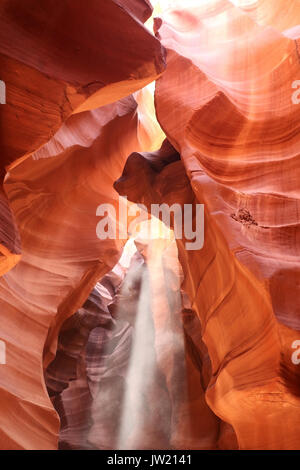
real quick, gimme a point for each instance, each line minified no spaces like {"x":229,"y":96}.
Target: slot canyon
{"x":135,"y":333}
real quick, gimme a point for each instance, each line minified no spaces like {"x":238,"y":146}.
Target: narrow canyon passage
{"x":149,"y":225}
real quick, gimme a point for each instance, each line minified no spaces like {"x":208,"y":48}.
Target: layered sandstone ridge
{"x":232,"y":118}
{"x":138,"y":342}
{"x":52,"y":66}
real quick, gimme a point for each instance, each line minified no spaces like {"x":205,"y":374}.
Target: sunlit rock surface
{"x":61,"y":58}
{"x":232,"y":118}
{"x":10,"y":244}
{"x":140,"y":343}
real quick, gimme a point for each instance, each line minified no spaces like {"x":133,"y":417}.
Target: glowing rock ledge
{"x":139,"y":343}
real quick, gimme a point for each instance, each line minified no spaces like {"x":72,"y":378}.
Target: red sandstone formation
{"x":54,"y":192}
{"x":10,"y":240}
{"x":57,"y":59}
{"x":236,"y":129}
{"x":140,"y":343}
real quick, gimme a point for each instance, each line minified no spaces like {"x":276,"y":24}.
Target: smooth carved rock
{"x":59,"y":61}
{"x":163,"y":180}
{"x":231,"y":117}
{"x":179,"y":349}
{"x":54,"y":67}
{"x":10,"y":243}
{"x":54,"y":195}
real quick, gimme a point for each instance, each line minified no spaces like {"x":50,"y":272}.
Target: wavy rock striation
{"x":230,"y":115}
{"x":51,"y":69}
{"x":166,"y":347}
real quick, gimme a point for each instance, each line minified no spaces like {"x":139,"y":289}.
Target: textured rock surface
{"x":165,"y":347}
{"x":232,"y":118}
{"x":99,"y":387}
{"x":10,"y":243}
{"x":52,"y":189}
{"x":53,"y":67}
